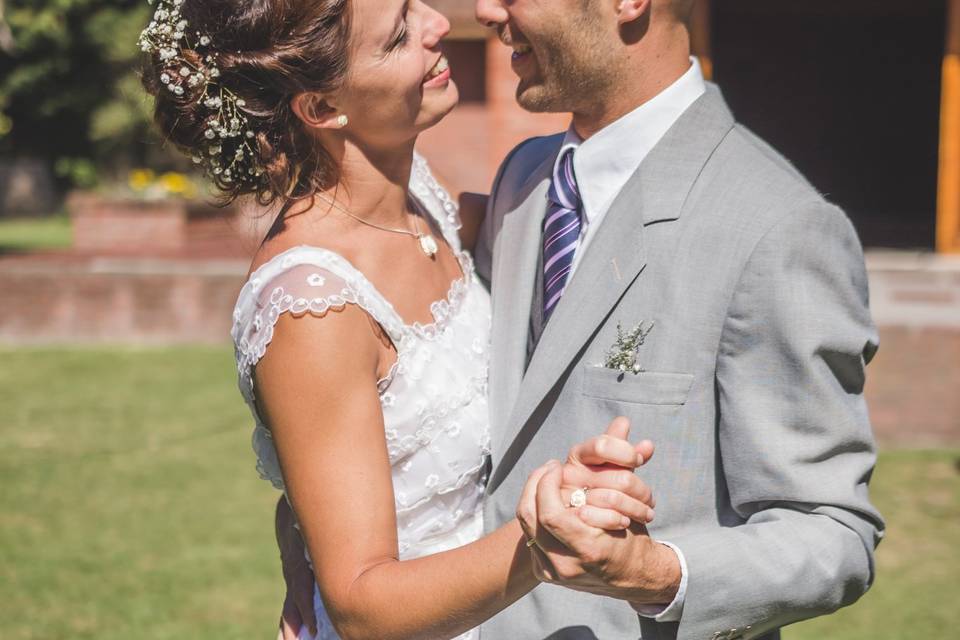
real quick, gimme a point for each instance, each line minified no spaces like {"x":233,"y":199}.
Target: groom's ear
{"x":314,"y":111}
{"x":631,"y":10}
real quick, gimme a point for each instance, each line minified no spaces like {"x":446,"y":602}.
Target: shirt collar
{"x":604,"y":162}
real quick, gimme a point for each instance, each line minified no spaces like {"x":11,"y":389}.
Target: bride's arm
{"x":316,"y":387}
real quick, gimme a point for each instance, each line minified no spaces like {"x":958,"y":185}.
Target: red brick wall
{"x":117,"y":301}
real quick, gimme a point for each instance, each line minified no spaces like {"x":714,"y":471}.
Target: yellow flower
{"x":140,"y":179}
{"x":178,"y":184}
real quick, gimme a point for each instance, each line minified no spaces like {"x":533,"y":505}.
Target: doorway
{"x":849,"y":91}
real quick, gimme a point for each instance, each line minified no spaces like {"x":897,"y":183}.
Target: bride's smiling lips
{"x":439,"y":73}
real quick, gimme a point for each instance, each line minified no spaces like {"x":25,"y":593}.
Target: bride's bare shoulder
{"x":294,"y":229}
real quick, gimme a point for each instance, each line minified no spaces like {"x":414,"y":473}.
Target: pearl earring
{"x":343,"y":121}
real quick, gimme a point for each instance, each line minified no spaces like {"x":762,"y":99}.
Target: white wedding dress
{"x":434,"y":399}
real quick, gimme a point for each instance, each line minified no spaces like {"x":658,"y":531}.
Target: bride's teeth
{"x":442,"y":65}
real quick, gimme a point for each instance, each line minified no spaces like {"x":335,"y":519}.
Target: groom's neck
{"x":646,"y":69}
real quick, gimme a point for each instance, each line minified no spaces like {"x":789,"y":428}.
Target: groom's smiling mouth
{"x":521,"y":58}
{"x":520,"y":50}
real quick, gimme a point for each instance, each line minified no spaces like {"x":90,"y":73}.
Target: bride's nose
{"x":491,"y":13}
{"x":436,"y":28}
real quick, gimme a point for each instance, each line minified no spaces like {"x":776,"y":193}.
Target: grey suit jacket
{"x":752,"y":389}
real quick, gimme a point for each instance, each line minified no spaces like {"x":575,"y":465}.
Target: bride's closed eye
{"x":402,"y":38}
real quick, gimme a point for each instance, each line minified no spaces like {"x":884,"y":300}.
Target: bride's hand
{"x":605,"y":464}
{"x":615,"y":496}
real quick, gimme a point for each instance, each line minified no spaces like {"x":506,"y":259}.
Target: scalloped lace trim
{"x":462,"y":480}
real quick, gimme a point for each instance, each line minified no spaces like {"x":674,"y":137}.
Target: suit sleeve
{"x":795,"y":441}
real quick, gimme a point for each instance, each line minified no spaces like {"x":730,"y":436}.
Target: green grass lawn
{"x":130,"y":509}
{"x":25,"y":234}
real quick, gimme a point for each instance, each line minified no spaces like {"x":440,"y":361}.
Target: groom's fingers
{"x":606,"y":450}
{"x":644,"y":450}
{"x":619,"y":428}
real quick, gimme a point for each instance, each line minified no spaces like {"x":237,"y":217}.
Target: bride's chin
{"x":433,"y":114}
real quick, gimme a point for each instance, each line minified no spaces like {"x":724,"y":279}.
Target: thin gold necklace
{"x":427,"y":243}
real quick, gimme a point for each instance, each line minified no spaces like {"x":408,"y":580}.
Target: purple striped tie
{"x":561,"y":233}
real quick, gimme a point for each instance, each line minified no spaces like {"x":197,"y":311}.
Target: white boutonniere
{"x":623,"y":355}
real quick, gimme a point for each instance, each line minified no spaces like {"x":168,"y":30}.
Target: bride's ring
{"x":578,"y":498}
{"x":531,"y":542}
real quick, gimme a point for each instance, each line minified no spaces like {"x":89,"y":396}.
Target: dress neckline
{"x":442,"y":310}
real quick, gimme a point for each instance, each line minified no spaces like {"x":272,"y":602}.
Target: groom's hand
{"x":628,"y":565}
{"x":605,"y":464}
{"x":574,"y":547}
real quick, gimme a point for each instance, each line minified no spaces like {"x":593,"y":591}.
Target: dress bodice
{"x":434,"y":399}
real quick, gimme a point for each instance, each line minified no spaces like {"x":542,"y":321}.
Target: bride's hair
{"x":224,"y":80}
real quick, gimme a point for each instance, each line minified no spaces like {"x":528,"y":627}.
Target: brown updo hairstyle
{"x":267,"y":51}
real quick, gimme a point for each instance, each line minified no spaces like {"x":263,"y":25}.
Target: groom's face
{"x":562,"y":49}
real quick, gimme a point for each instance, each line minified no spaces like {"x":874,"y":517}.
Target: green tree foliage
{"x":69,"y":86}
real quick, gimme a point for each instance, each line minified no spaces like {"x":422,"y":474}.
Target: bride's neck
{"x":373,"y":183}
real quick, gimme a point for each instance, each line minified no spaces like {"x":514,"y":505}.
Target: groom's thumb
{"x":619,"y":428}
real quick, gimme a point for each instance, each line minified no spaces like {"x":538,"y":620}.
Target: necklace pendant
{"x":428,"y":245}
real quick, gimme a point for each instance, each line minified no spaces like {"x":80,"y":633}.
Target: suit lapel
{"x":513,"y":280}
{"x":613,"y":261}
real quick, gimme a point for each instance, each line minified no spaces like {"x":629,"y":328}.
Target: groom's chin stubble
{"x":537,"y":99}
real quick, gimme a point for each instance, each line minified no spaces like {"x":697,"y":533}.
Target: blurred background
{"x":129,"y":504}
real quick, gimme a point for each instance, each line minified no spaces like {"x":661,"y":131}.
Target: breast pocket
{"x":644,"y":388}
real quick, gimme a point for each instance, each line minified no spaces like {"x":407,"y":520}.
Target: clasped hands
{"x":602,"y":547}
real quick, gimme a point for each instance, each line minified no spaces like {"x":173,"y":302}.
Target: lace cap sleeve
{"x":303,"y":280}
{"x":300,"y":290}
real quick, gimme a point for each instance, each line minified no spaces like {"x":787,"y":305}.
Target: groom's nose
{"x":491,"y":13}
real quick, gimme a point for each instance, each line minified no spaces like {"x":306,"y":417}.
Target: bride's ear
{"x":631,"y":10}
{"x":316,"y":112}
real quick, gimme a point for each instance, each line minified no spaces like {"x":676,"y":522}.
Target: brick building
{"x":863,"y":95}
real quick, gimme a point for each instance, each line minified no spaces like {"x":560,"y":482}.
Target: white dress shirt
{"x":603,"y":165}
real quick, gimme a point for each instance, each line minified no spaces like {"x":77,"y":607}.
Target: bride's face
{"x":398,"y":83}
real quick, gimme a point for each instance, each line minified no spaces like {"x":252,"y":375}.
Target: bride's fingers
{"x":527,"y":507}
{"x":622,"y":480}
{"x":619,"y":503}
{"x":603,"y":518}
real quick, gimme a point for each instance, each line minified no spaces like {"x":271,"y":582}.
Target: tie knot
{"x":563,"y":189}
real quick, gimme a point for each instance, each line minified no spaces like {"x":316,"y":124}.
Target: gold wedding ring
{"x":531,"y":542}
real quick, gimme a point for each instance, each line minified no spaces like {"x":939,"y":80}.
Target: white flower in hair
{"x":227,"y":152}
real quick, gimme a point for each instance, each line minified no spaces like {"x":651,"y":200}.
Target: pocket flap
{"x":646,"y":387}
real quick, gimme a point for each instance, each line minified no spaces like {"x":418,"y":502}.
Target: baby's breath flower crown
{"x":227,"y":153}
